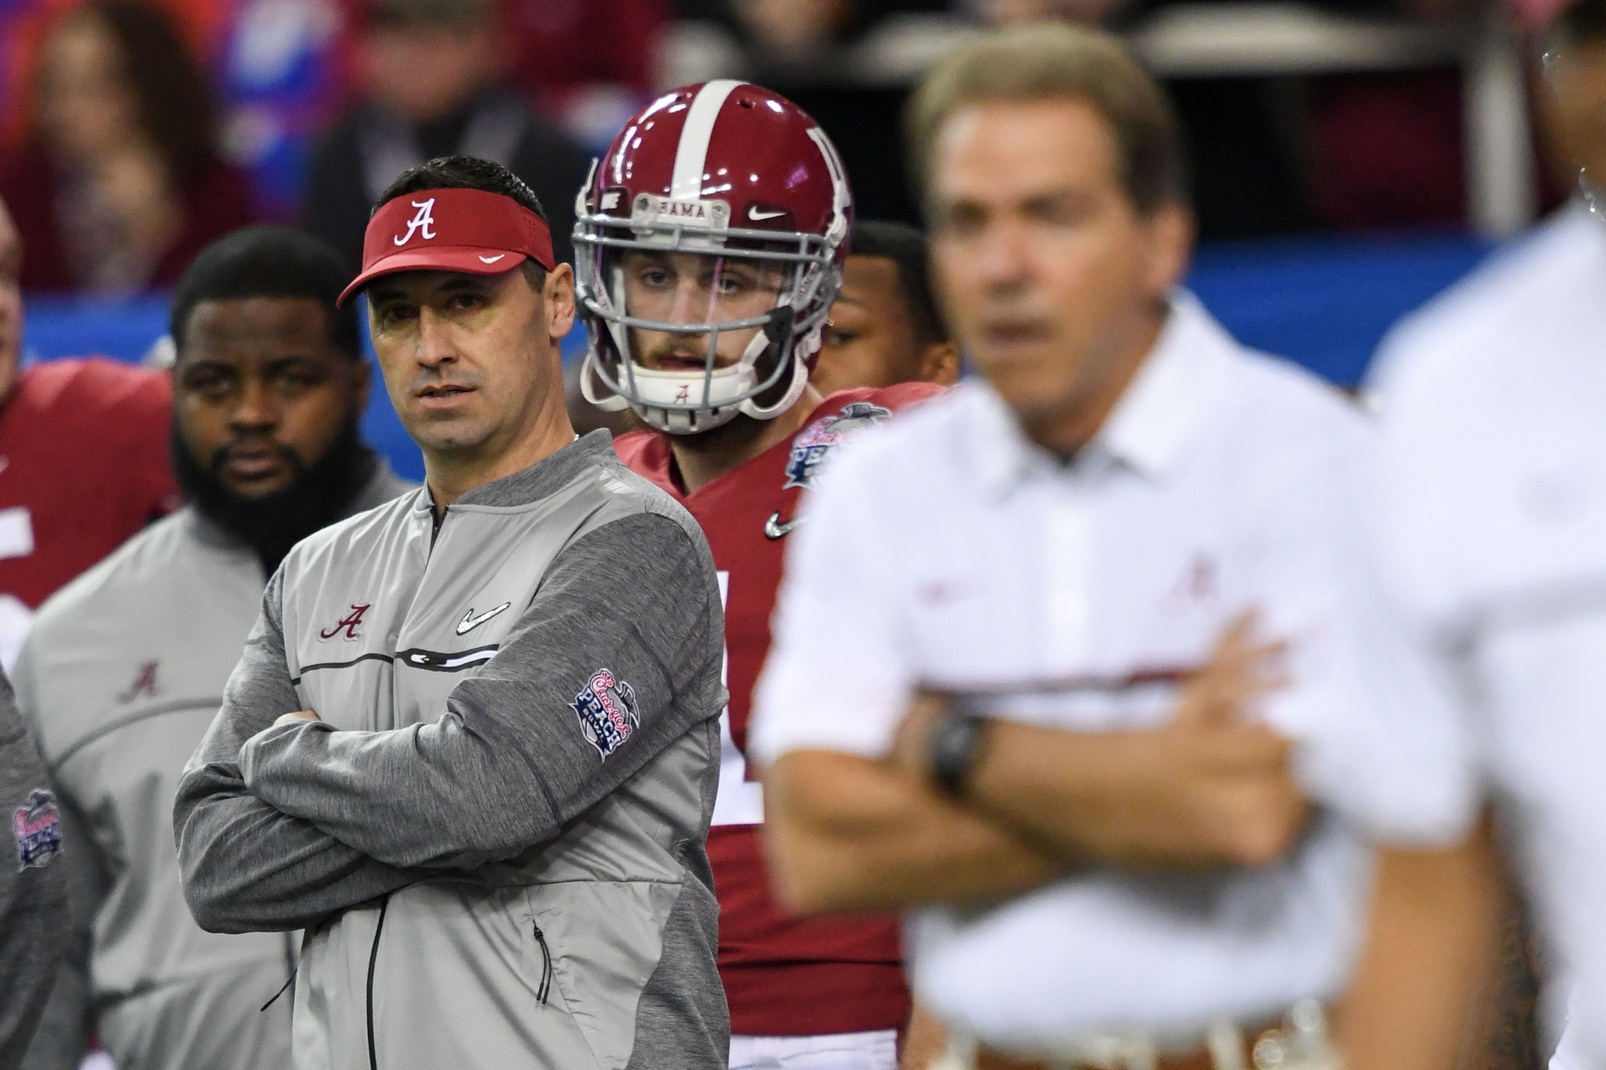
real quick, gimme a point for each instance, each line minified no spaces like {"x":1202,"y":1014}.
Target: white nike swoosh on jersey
{"x":758,"y":217}
{"x":491,"y":259}
{"x":470,"y":621}
{"x":776,"y":528}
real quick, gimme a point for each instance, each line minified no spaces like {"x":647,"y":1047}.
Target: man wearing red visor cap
{"x":473,"y":743}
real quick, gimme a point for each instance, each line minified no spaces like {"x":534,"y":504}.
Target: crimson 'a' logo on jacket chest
{"x":348,"y":626}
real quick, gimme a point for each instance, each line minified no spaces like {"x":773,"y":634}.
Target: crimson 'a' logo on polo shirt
{"x":423,"y":221}
{"x":144,"y":683}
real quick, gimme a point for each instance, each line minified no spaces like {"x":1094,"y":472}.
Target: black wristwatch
{"x":955,"y":744}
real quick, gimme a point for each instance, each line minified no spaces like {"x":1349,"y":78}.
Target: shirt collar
{"x":545,"y":477}
{"x":1157,"y":418}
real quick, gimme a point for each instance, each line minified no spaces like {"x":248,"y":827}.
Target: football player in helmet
{"x":710,"y":245}
{"x":702,"y":198}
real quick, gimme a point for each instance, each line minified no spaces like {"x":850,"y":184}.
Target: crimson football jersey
{"x":783,"y":977}
{"x":84,"y":464}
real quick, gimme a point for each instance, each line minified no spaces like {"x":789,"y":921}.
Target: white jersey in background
{"x":1493,"y":401}
{"x":119,"y":680}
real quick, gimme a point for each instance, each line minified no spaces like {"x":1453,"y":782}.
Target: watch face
{"x":955,"y":742}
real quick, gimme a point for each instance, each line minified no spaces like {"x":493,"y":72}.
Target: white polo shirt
{"x":945,"y":550}
{"x":1493,"y":402}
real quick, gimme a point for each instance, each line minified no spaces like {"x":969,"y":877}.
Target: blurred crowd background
{"x":135,"y":130}
{"x":1368,"y":151}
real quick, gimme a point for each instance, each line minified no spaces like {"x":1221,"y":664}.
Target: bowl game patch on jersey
{"x":814,"y":443}
{"x":37,"y":829}
{"x":608,"y":711}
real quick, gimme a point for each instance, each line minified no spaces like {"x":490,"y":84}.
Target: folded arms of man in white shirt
{"x":1209,"y":789}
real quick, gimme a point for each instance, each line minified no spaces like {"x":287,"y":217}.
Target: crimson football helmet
{"x":709,"y":247}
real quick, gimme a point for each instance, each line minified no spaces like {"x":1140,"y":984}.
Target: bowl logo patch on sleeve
{"x":814,"y":443}
{"x":608,"y":711}
{"x":37,"y":829}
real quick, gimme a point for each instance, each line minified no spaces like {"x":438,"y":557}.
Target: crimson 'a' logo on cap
{"x":423,"y":220}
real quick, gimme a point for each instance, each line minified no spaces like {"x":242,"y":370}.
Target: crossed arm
{"x":280,"y":824}
{"x":246,"y":866}
{"x":848,"y":833}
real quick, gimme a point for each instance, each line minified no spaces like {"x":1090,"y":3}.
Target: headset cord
{"x":373,"y":959}
{"x":545,"y":988}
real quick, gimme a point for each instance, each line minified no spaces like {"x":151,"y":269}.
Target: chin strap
{"x":609,"y":402}
{"x":596,"y":389}
{"x":794,"y":390}
{"x":670,"y":421}
{"x":690,"y":421}
{"x":686,"y":421}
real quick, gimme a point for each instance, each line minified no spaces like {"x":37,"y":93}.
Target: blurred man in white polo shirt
{"x":1493,"y":401}
{"x":991,"y":607}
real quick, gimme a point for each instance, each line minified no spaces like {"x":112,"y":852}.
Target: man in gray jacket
{"x":125,"y":666}
{"x":472,"y":744}
{"x":33,"y":892}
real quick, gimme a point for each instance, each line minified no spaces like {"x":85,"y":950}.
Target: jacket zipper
{"x":545,"y":988}
{"x":373,"y":959}
{"x":435,"y":529}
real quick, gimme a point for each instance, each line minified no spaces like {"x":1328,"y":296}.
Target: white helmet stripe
{"x":691,"y":155}
{"x":842,"y":196}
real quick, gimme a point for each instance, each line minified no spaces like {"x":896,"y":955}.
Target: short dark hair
{"x":469,"y":172}
{"x":906,"y":247}
{"x":1039,"y":62}
{"x":268,"y":262}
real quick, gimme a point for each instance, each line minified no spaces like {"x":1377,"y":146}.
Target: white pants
{"x":876,"y":1050}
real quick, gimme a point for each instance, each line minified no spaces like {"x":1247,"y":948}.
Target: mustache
{"x":220,"y":456}
{"x":434,"y":380}
{"x":674,"y":349}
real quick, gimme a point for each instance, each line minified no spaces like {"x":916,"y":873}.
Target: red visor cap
{"x":466,"y":230}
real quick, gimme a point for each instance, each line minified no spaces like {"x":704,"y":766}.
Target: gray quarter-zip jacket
{"x":495,"y":836}
{"x":120,"y":677}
